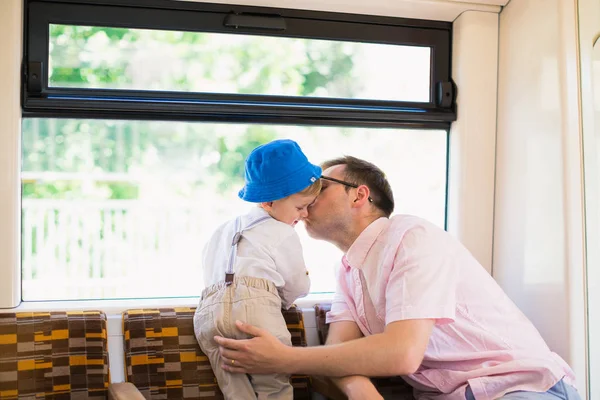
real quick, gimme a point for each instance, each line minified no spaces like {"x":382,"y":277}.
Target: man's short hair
{"x":361,"y":172}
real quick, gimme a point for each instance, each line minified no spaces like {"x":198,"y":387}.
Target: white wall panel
{"x":589,"y":32}
{"x":439,"y":10}
{"x":538,"y":231}
{"x":473,"y":135}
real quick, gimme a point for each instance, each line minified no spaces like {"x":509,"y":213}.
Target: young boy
{"x":253,"y":265}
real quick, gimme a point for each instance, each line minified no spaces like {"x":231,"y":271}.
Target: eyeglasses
{"x":352,"y":185}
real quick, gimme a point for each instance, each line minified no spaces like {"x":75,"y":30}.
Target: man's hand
{"x":263,"y":354}
{"x":397,"y":351}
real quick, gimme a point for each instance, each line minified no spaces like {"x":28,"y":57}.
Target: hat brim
{"x":296,"y":182}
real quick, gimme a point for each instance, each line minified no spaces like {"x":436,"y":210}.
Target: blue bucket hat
{"x":276,"y":170}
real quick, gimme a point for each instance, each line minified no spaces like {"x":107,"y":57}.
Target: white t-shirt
{"x":270,"y":250}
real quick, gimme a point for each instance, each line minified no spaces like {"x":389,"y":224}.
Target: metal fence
{"x":87,"y":249}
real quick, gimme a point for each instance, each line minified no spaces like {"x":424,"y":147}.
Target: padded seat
{"x":164,"y":361}
{"x":56,"y":355}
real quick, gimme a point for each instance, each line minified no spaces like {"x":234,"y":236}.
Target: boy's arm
{"x":289,"y":262}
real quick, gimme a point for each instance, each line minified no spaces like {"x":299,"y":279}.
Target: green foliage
{"x":55,"y":190}
{"x":188,"y":156}
{"x":119,"y":191}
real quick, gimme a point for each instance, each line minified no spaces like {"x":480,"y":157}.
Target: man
{"x":410,"y":301}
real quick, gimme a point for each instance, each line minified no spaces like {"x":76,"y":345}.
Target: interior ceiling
{"x":440,"y":10}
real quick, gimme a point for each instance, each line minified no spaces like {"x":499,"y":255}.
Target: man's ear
{"x":362,"y":195}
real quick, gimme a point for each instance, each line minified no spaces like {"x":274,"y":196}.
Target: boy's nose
{"x":304,"y":213}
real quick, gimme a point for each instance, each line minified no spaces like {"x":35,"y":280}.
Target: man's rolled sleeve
{"x":339,"y":310}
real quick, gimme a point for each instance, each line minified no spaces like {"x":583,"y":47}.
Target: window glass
{"x":121,"y":209}
{"x":145,"y":59}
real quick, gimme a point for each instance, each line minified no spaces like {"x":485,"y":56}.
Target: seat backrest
{"x":321,"y":311}
{"x":53,"y":354}
{"x":164,"y":361}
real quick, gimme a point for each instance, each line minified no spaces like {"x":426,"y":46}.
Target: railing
{"x":107,"y":248}
{"x":82,"y":249}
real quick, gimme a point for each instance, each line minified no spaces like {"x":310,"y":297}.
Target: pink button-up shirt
{"x":407,"y":268}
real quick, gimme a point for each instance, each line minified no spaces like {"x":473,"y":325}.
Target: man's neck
{"x":346,"y":242}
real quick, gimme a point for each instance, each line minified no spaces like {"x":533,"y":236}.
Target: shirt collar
{"x":256,"y":212}
{"x":357,"y":253}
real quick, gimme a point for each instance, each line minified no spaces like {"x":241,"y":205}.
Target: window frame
{"x":39,"y":100}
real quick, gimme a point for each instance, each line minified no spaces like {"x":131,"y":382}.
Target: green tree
{"x":210,"y":154}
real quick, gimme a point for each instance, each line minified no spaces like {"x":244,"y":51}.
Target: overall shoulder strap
{"x":236,"y":239}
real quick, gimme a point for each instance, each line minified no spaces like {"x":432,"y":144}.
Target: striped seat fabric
{"x":321,"y":311}
{"x":163,"y":359}
{"x":53,"y":355}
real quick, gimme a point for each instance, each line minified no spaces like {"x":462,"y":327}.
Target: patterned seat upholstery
{"x":55,"y":355}
{"x":389,"y":387}
{"x":163,"y":359}
{"x":321,"y":311}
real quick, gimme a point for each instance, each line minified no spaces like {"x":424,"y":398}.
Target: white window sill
{"x":117,"y":306}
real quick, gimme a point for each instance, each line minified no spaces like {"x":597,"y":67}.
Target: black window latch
{"x":255,"y":21}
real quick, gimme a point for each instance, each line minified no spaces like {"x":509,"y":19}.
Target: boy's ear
{"x":267,"y":206}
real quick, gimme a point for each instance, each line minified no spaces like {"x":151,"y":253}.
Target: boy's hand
{"x":263,"y":354}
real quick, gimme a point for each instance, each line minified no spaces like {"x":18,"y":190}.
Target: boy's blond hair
{"x":312,"y":190}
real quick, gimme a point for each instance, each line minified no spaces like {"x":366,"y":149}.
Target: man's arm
{"x":342,"y":331}
{"x":399,"y":350}
{"x":354,"y":386}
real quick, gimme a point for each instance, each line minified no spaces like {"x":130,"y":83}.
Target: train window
{"x":137,"y":117}
{"x":122,"y":208}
